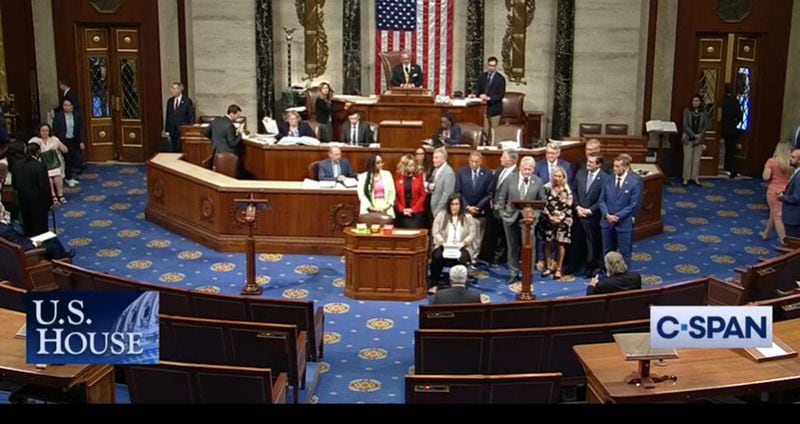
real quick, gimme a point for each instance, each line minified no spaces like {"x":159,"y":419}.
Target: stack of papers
{"x":298,"y":141}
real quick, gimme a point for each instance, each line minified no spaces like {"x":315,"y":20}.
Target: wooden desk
{"x":386,"y":267}
{"x":649,"y":221}
{"x":701,"y":373}
{"x":199,"y":204}
{"x":87,"y":383}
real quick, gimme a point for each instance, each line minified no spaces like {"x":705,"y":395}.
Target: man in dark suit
{"x":620,"y":201}
{"x":545,"y":167}
{"x":225,"y":137}
{"x":791,"y":198}
{"x":522,"y":185}
{"x":33,"y":190}
{"x":491,"y":89}
{"x":731,"y":116}
{"x":67,"y":127}
{"x":458,"y":291}
{"x":474,"y":183}
{"x":355,"y":132}
{"x":53,"y":248}
{"x":68,"y":94}
{"x":336,"y":168}
{"x":592,"y":148}
{"x":618,"y":277}
{"x":406,"y":74}
{"x":180,"y":111}
{"x":588,"y":187}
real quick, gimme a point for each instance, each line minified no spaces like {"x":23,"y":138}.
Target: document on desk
{"x":41,"y":238}
{"x":309,"y":183}
{"x":350,"y":182}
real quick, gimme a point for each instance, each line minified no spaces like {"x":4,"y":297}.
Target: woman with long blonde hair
{"x":778,"y":172}
{"x":410,"y":199}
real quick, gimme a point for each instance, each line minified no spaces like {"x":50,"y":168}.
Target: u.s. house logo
{"x":92,"y":328}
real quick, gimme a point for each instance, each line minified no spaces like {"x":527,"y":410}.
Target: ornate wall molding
{"x":474,"y":45}
{"x":265,"y":69}
{"x":351,"y":38}
{"x":565,"y":45}
{"x":518,"y":19}
{"x":342,"y":216}
{"x":311,"y":15}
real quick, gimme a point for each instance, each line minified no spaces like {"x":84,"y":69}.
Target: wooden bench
{"x":613,"y":307}
{"x":512,"y":351}
{"x":12,"y":297}
{"x":180,"y":302}
{"x":768,"y":279}
{"x":174,"y":382}
{"x":247,"y":344}
{"x":477,"y":389}
{"x":28,"y":270}
{"x":783,"y":308}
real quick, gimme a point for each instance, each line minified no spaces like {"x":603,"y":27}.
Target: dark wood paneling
{"x":769,"y":18}
{"x":69,"y":14}
{"x":21,"y":61}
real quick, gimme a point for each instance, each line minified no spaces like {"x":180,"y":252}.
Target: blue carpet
{"x":369,"y":345}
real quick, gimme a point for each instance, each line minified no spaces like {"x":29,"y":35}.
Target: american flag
{"x":425,"y":29}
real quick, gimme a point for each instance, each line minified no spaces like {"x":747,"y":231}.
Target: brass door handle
{"x":116,"y":102}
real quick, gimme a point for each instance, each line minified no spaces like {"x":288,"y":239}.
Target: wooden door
{"x":110,"y":70}
{"x":725,"y":59}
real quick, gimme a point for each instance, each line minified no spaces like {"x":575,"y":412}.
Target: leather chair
{"x":311,"y":103}
{"x":314,"y":127}
{"x":512,"y":112}
{"x":506,"y":132}
{"x":374,"y":127}
{"x":375,"y":218}
{"x":471,"y":134}
{"x":313,"y":170}
{"x":617,"y":129}
{"x":226,"y":163}
{"x":586,"y":129}
{"x":389,"y":61}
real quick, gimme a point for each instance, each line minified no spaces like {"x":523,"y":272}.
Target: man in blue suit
{"x":791,"y":198}
{"x":474,"y":182}
{"x":336,"y":168}
{"x":620,"y":201}
{"x":588,"y":187}
{"x":552,"y":156}
{"x":491,"y":88}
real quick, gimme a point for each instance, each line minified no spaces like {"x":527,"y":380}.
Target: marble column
{"x":565,"y":43}
{"x":351,"y":40}
{"x":473,"y":62}
{"x":265,"y":66}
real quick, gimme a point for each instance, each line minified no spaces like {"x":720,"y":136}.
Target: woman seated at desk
{"x":294,"y":127}
{"x":449,"y":134}
{"x":376,"y":191}
{"x":452,"y":228}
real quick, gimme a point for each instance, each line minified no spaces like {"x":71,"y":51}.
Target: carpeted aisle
{"x":369,"y":345}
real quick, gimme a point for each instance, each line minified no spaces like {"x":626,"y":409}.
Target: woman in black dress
{"x":322,"y":108}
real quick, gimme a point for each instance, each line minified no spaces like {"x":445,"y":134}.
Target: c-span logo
{"x":710,"y":326}
{"x":92,"y":328}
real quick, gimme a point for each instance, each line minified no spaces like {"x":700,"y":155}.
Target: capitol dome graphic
{"x":141,"y":316}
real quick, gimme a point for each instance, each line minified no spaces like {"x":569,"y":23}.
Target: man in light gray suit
{"x":522,"y":185}
{"x":442,"y":183}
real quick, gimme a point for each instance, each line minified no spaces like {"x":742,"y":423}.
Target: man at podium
{"x":406,"y":74}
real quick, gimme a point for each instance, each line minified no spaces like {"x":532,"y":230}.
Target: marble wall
{"x":791,"y":97}
{"x":222,"y":55}
{"x":169,"y":47}
{"x":46,"y":71}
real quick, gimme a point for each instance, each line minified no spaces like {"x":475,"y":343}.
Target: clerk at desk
{"x":336,"y":168}
{"x":294,"y":127}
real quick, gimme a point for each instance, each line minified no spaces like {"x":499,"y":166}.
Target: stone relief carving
{"x":311,"y":15}
{"x":518,"y":19}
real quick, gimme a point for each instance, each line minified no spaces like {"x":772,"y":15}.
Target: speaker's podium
{"x":528,"y":210}
{"x":414,"y":95}
{"x":391,"y":266}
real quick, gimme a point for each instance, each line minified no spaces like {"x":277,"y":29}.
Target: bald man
{"x":406,"y":74}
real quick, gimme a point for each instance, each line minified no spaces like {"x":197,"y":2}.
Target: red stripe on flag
{"x":425,"y":41}
{"x":437,"y":41}
{"x":450,"y":42}
{"x":378,"y":65}
{"x":402,"y":40}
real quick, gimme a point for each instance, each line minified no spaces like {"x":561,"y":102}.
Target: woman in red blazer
{"x":410,"y":185}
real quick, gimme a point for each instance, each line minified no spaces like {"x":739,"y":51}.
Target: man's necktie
{"x":354,"y":135}
{"x":474,"y":178}
{"x":177,"y":103}
{"x":619,"y":183}
{"x":525,"y":188}
{"x":589,"y":183}
{"x":490,"y":79}
{"x":336,"y":171}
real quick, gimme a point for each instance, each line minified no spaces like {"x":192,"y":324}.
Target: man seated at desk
{"x":406,"y":74}
{"x":294,"y":127}
{"x":355,"y":132}
{"x":618,"y":277}
{"x":336,"y":168}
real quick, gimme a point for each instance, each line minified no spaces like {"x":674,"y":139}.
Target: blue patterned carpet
{"x":708,"y":231}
